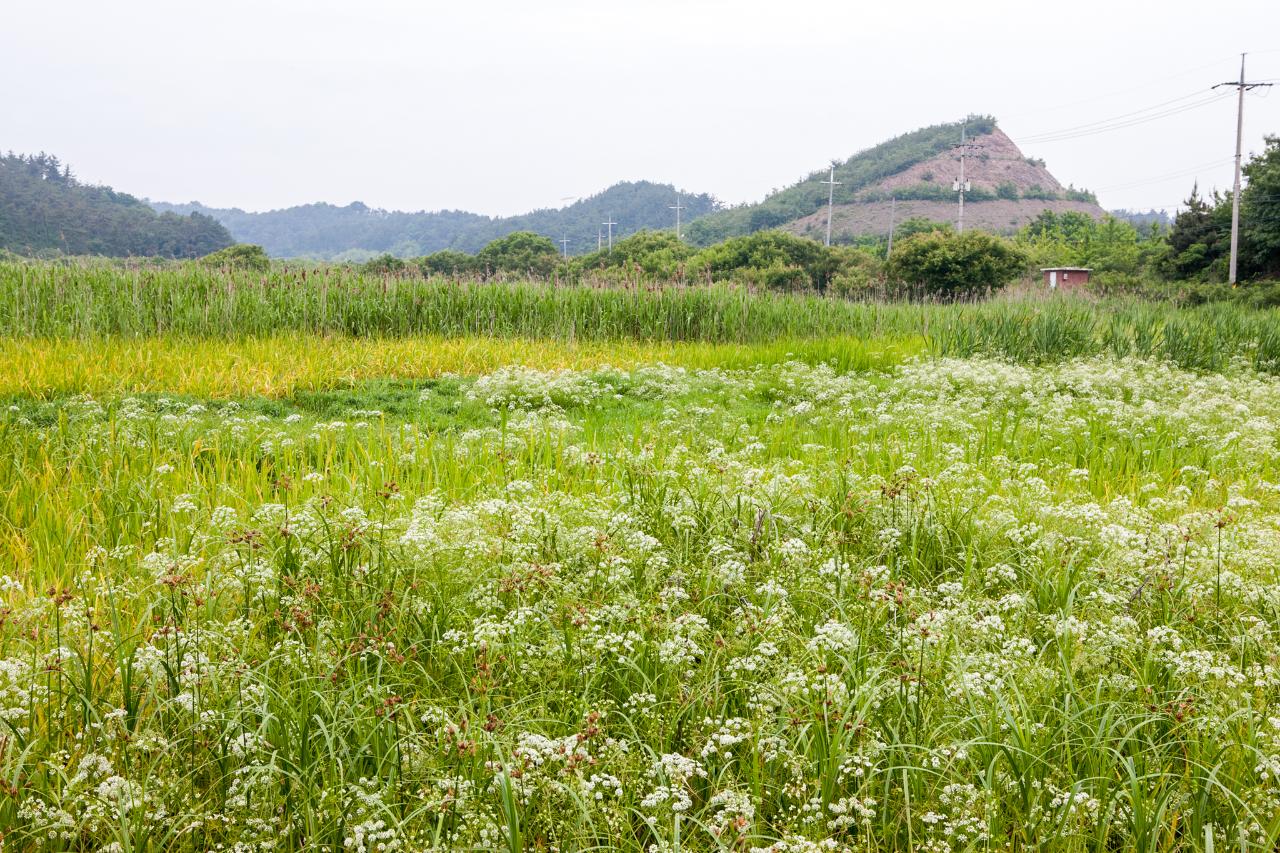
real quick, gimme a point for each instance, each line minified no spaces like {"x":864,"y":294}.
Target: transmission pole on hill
{"x":961,"y":185}
{"x":599,"y":239}
{"x":1243,"y":87}
{"x":677,"y":207}
{"x":893,"y":215}
{"x":564,"y":246}
{"x":831,"y":183}
{"x":610,"y":225}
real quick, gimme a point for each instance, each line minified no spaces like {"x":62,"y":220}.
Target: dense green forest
{"x":45,"y":210}
{"x":855,"y":174}
{"x":357,"y":232}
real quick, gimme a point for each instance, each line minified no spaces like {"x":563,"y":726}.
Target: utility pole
{"x":564,"y":246}
{"x":677,"y":207}
{"x":893,"y":215}
{"x":961,"y":185}
{"x":1243,"y":87}
{"x":610,"y":223}
{"x":831,"y":183}
{"x":599,"y":239}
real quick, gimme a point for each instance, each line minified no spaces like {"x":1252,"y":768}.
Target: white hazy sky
{"x":502,"y":107}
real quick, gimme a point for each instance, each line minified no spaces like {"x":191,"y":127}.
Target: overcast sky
{"x":502,"y":107}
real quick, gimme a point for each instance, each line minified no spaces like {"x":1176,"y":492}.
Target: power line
{"x":1187,"y":72}
{"x":1127,"y":120}
{"x":1199,"y":93}
{"x":1190,"y":170}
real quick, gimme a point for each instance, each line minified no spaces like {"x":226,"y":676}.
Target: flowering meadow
{"x":915,"y":604}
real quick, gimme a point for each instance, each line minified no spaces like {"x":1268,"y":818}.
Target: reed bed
{"x":91,"y":301}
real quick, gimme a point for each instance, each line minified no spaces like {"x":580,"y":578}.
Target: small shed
{"x":1055,"y":277}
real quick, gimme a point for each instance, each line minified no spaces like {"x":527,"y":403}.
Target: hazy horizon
{"x":504,"y":108}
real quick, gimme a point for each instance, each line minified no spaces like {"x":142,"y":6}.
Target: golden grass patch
{"x":279,"y":365}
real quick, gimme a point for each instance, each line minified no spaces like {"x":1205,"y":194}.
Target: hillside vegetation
{"x":1007,"y":189}
{"x":860,"y":171}
{"x":45,"y":210}
{"x":358,"y":232}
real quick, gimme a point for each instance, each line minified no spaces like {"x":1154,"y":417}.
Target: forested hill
{"x":45,"y":210}
{"x":357,"y":231}
{"x":860,"y":171}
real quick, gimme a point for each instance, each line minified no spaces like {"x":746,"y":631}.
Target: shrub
{"x":923,"y":192}
{"x":1255,"y":294}
{"x":242,"y":256}
{"x":920,"y":225}
{"x":446,"y":262}
{"x":656,"y":253}
{"x":779,"y":277}
{"x":520,"y":252}
{"x":1073,"y":194}
{"x":778,"y":253}
{"x":861,"y":275}
{"x":384,"y":265}
{"x":948,"y":266}
{"x":1259,"y":294}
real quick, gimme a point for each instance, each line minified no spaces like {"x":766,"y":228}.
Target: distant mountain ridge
{"x":356,"y":231}
{"x":45,"y":210}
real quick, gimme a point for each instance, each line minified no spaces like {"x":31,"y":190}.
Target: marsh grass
{"x":95,"y":301}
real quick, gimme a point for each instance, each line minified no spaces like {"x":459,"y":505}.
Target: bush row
{"x":932,"y":262}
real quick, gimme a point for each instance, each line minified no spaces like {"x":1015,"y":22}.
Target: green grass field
{"x":647,"y":571}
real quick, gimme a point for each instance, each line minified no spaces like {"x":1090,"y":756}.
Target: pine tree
{"x":1196,"y":240}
